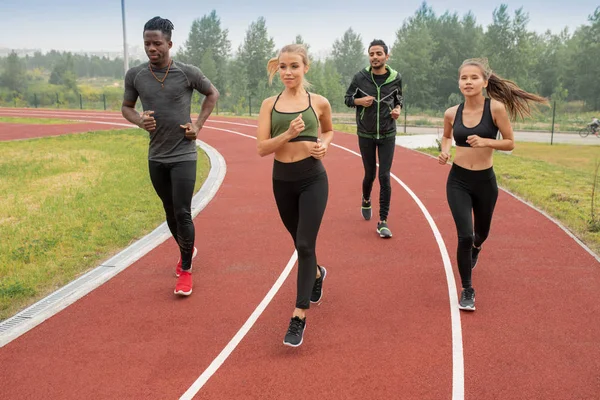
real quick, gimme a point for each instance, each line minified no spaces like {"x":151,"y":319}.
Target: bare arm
{"x":212,"y":95}
{"x":320,"y":148}
{"x":444,"y":156}
{"x":191,"y":130}
{"x":265,"y":144}
{"x":502,"y":121}
{"x":145,"y":120}
{"x":130,"y":114}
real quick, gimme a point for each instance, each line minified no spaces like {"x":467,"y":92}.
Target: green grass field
{"x":69,"y":203}
{"x":557,"y":179}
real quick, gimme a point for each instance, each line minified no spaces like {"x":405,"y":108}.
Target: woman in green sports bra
{"x":288,"y":126}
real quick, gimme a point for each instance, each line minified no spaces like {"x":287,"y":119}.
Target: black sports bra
{"x":484,"y":129}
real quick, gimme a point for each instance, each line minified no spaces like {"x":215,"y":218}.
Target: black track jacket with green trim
{"x":375,"y":121}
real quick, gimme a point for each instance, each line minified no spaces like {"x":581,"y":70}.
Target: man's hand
{"x":396,"y":112}
{"x":147,"y":121}
{"x":366,"y":101}
{"x":191,"y":131}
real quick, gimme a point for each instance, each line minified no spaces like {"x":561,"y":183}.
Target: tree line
{"x":427,"y":50}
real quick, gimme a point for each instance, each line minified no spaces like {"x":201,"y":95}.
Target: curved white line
{"x":458,"y":387}
{"x":50,"y":305}
{"x":228,"y":349}
{"x":457,"y":349}
{"x":458,"y":368}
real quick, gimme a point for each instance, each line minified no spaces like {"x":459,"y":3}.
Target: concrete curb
{"x":37,"y":313}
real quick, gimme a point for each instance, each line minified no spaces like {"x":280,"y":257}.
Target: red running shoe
{"x":184,"y":284}
{"x":178,"y":269}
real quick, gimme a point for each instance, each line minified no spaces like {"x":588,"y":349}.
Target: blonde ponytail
{"x":273,"y":64}
{"x":272,"y":67}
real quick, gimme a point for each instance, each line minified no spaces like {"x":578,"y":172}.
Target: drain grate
{"x":12,"y":322}
{"x":27,"y":319}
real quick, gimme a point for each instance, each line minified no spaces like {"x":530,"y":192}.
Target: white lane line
{"x":220,"y":359}
{"x":458,"y":369}
{"x":457,"y":348}
{"x":458,"y":388}
{"x":82,"y":116}
{"x":106,"y":123}
{"x":234,"y":132}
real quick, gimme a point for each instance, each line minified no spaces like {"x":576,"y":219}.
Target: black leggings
{"x":469,"y":192}
{"x":301,"y":190}
{"x":368,"y":150}
{"x":174,"y":183}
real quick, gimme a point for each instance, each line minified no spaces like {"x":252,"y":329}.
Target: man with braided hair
{"x":165,"y":88}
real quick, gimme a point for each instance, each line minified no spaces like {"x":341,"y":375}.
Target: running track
{"x":383,"y":331}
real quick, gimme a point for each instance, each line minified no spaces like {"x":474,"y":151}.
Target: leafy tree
{"x":586,"y":64}
{"x":413,"y":55}
{"x":208,"y":66}
{"x":63,"y":73}
{"x":253,"y":54}
{"x":207,"y":36}
{"x":349,"y":55}
{"x":14,"y":76}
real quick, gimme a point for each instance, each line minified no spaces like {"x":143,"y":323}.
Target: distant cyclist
{"x":595,"y":124}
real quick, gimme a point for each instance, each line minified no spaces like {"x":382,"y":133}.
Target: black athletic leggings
{"x":174,"y":184}
{"x":368,"y":150}
{"x":301,"y":190}
{"x":469,"y":192}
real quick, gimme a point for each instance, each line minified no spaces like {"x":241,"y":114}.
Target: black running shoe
{"x":317,"y":291}
{"x":366,"y":209}
{"x":467,"y":300}
{"x":474,"y":256}
{"x":383,"y":230}
{"x":295,"y":332}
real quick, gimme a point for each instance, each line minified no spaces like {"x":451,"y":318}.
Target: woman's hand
{"x":476,"y":142}
{"x":443,"y":158}
{"x":319,"y":150}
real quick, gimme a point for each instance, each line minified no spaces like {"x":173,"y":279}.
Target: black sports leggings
{"x":469,"y":192}
{"x":368,"y":150}
{"x":174,"y":183}
{"x":301,"y":189}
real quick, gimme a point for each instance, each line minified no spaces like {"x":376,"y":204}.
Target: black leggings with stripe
{"x":301,"y":189}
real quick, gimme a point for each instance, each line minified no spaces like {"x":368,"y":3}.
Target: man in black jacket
{"x":376,"y":92}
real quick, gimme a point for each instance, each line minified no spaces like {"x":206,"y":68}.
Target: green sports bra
{"x":280,"y":122}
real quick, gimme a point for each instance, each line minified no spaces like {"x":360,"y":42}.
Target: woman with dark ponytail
{"x":471,"y":188}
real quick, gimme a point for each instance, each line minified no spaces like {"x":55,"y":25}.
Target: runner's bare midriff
{"x":294,"y":151}
{"x":475,"y":159}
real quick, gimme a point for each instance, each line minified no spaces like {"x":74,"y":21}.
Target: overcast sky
{"x":76,"y":25}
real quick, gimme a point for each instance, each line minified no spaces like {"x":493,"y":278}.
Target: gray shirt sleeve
{"x":197,"y":79}
{"x":131,"y":93}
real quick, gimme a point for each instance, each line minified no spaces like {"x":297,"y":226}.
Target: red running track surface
{"x":382,"y":331}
